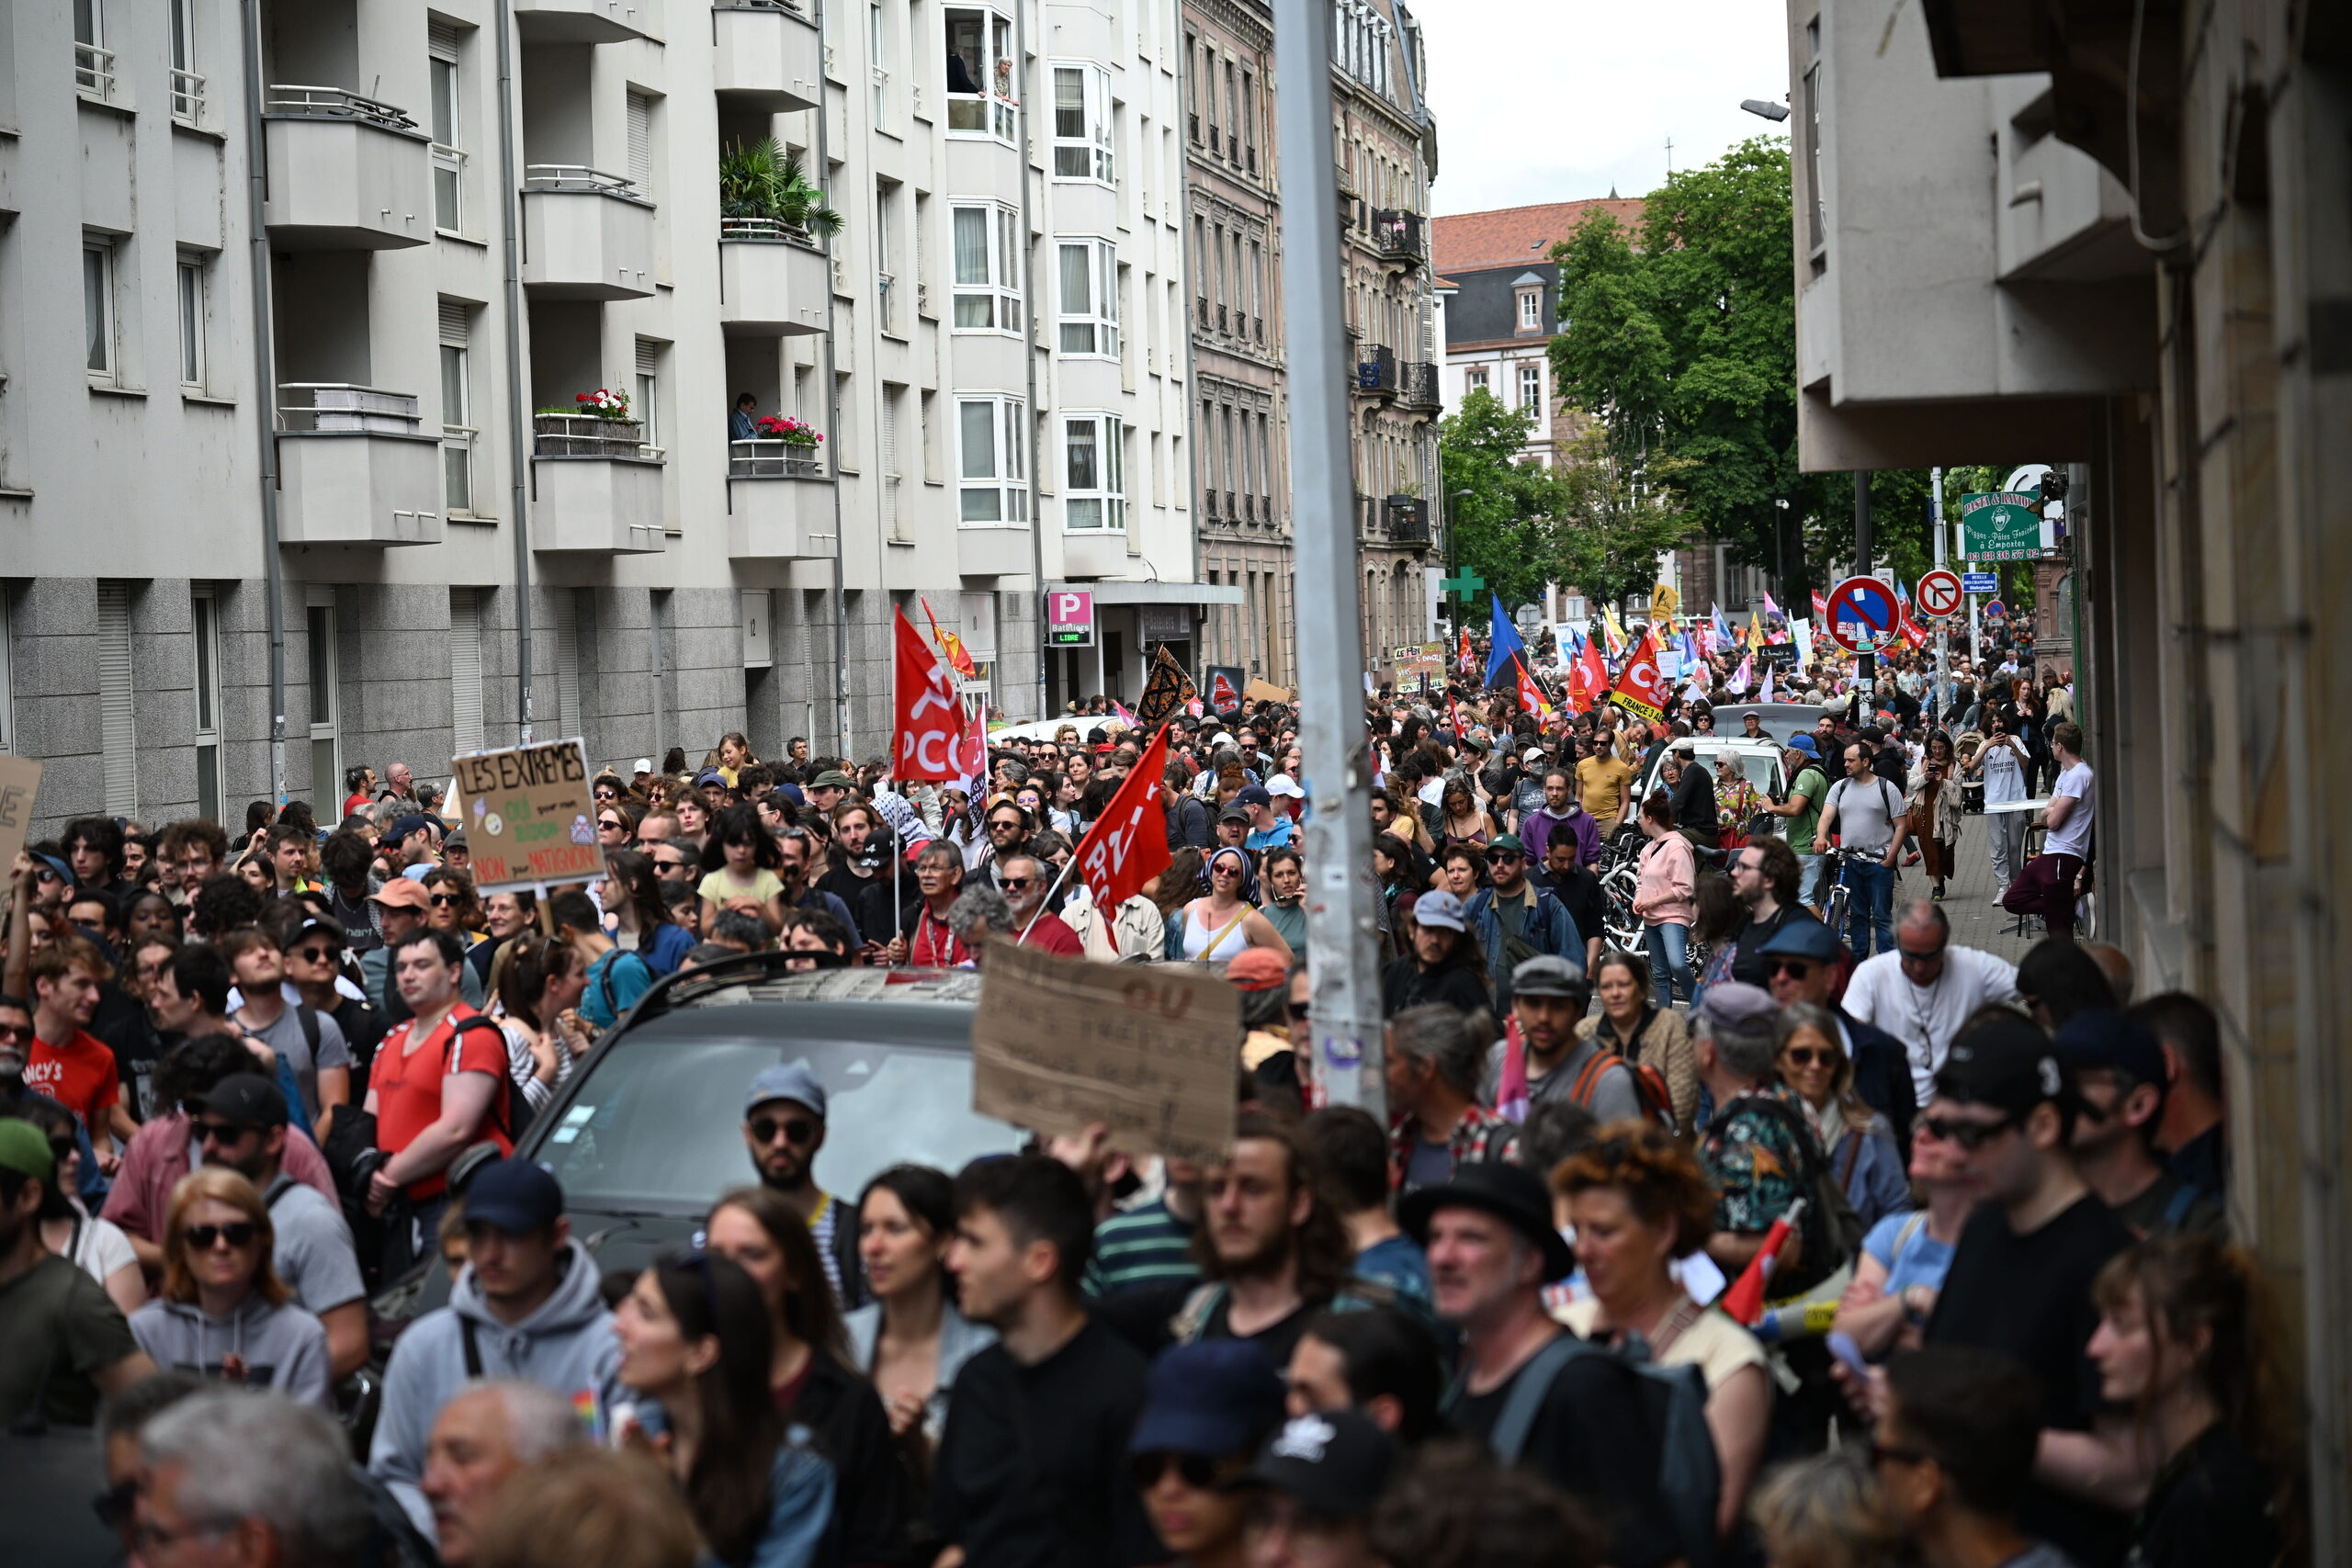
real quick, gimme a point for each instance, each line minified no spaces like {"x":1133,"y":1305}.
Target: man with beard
{"x":63,"y":1343}
{"x":1764,"y":877}
{"x":783,"y":1126}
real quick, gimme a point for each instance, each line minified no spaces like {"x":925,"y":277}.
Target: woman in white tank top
{"x":1220,"y":926}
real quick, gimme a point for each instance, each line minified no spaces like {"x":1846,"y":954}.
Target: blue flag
{"x":1507,"y":643}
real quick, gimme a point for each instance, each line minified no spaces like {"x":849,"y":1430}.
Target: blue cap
{"x":515,"y":1196}
{"x":64,"y":871}
{"x":1440,"y":909}
{"x":1213,"y":1396}
{"x":709,"y":776}
{"x":790,"y":1081}
{"x":2099,"y":1038}
{"x":415,"y":823}
{"x":1806,"y":938}
{"x":1802,"y":741}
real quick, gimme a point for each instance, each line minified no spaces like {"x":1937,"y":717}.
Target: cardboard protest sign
{"x":19,"y":782}
{"x":1148,"y":1050}
{"x":1256,"y":691}
{"x":528,"y":818}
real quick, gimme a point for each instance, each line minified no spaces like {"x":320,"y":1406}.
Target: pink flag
{"x":1737,"y":685}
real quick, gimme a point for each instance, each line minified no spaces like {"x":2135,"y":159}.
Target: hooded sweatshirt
{"x":566,"y":1345}
{"x":281,"y":1347}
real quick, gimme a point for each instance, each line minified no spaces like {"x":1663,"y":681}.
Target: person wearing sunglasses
{"x":223,"y":1313}
{"x":1516,"y":921}
{"x":784,"y":1127}
{"x":1802,"y":963}
{"x":1953,"y":1452}
{"x":1024,"y":881}
{"x":1926,"y":988}
{"x":1210,"y":1405}
{"x":1906,"y":1256}
{"x":1811,"y":1060}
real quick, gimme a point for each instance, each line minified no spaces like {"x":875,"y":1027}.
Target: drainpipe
{"x":1029,"y":348}
{"x":833,"y":395}
{"x":265,"y":373}
{"x":518,"y":431}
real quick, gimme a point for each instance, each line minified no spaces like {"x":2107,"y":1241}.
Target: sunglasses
{"x":1504,"y":858}
{"x":609,"y":794}
{"x":446,"y":900}
{"x":1015,"y":884}
{"x":204,"y":1239}
{"x":1299,"y":1009}
{"x":1810,"y":1055}
{"x":115,"y":1505}
{"x":1199,"y":1471}
{"x":318,"y":954}
{"x":16,"y":1032}
{"x":1795,"y":968}
{"x":797,"y":1129}
{"x":217,"y":1132}
{"x":609,"y":824}
{"x":1970,"y":1135}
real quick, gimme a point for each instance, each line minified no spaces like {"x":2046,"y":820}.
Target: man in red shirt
{"x":438,"y":1083}
{"x":923,"y":941}
{"x":1026,"y":881}
{"x":66,"y":1062}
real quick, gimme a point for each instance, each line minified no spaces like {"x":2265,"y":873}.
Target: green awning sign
{"x":2001,"y":524}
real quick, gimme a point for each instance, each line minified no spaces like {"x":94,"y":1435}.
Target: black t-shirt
{"x":1145,"y":1317}
{"x":1748,"y":963}
{"x":1592,"y":1439}
{"x":1579,"y":893}
{"x":2029,"y":1296}
{"x":1406,"y":984}
{"x":873,"y":1489}
{"x":2210,"y":1508}
{"x":1032,"y":1471}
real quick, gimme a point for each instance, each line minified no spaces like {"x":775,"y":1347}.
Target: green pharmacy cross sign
{"x":1468,"y":583}
{"x":2000,"y":525}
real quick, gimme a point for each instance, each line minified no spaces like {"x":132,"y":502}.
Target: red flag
{"x":1530,"y":695}
{"x":1912,"y":631}
{"x":1744,"y":1303}
{"x":929,"y":731}
{"x":1128,"y":846}
{"x":972,"y":756}
{"x":951,"y":645}
{"x":1469,"y":660}
{"x":1588,"y":679}
{"x":1640,"y":686}
{"x":1820,"y":606}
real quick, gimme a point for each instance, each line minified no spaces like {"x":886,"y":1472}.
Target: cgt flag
{"x":1128,"y":846}
{"x":1588,"y":678}
{"x":1641,"y":688}
{"x":930,"y":735}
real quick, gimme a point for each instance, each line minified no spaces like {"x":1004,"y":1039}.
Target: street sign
{"x":1069,"y":618}
{"x":1996,"y":608}
{"x":2000,"y":525}
{"x":1939,"y":594}
{"x":1864,"y":615}
{"x":1979,"y":582}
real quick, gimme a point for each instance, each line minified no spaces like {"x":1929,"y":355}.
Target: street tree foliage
{"x":1522,"y":525}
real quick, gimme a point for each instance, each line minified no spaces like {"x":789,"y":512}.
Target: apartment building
{"x":469,"y":218}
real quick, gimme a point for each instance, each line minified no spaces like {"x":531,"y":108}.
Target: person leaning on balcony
{"x":742,"y":424}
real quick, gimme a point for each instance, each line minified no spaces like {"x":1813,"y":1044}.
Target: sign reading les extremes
{"x":19,"y":782}
{"x":528,"y":818}
{"x":1145,"y":1049}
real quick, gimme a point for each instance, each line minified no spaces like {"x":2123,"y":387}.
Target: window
{"x":1082,"y":147}
{"x":648,"y":403}
{"x":981,"y":94}
{"x":988,"y":276}
{"x":1531,"y":388}
{"x":1531,"y":310}
{"x":991,"y":461}
{"x":117,"y":703}
{"x":465,"y":726}
{"x":886,"y":280}
{"x":188,"y":87}
{"x":893,"y":514}
{"x":191,"y":301}
{"x":1249,"y":120}
{"x":1474,"y":379}
{"x":1090,"y":286}
{"x":97,"y":307}
{"x":877,"y":52}
{"x":640,"y":142}
{"x":456,"y":409}
{"x":448,"y":162}
{"x":1809,"y":127}
{"x":205,"y":621}
{"x":325,"y":775}
{"x":930,"y":413}
{"x":93,"y":61}
{"x":1095,"y":464}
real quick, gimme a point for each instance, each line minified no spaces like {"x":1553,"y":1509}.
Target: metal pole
{"x":265,"y":361}
{"x":517,"y":398}
{"x":1865,"y":665}
{"x":1943,"y":642}
{"x":1029,"y":358}
{"x":1341,"y":933}
{"x":833,"y":414}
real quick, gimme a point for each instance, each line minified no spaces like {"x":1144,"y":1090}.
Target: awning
{"x":1122,"y":592}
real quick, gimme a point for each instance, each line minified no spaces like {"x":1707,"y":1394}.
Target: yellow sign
{"x":528,"y":818}
{"x":1664,"y":604}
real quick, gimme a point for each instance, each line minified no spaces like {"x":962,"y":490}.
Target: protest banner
{"x":19,"y":782}
{"x":1147,"y":1049}
{"x":529,"y":820}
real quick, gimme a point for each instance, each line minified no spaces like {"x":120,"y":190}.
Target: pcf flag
{"x":930,"y":730}
{"x":1128,"y":846}
{"x":1641,"y":688}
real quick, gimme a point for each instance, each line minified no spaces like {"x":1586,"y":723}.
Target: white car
{"x":1760,"y":760}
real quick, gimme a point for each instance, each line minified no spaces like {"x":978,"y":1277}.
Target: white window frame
{"x":443,"y":67}
{"x":203,"y":627}
{"x":1091,"y":329}
{"x":187,"y":85}
{"x":996,"y":106}
{"x":1095,"y":503}
{"x":1531,"y":388}
{"x":1000,"y":288}
{"x":1474,"y":379}
{"x":1089,"y":155}
{"x":1001,"y":471}
{"x":192,"y":283}
{"x":326,"y":678}
{"x":1531,"y":310}
{"x":455,"y":361}
{"x":94,"y":63}
{"x":101,"y":330}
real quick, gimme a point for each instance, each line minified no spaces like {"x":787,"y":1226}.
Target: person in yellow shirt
{"x":1604,"y":780}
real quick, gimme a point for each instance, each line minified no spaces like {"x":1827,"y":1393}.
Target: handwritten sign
{"x":1148,"y":1050}
{"x":528,"y":818}
{"x":19,"y":782}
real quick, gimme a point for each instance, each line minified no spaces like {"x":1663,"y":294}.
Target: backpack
{"x":1649,"y":1085}
{"x":1690,"y":1472}
{"x":1837,"y":1239}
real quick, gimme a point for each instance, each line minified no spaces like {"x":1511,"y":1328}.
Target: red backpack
{"x":1649,"y":1085}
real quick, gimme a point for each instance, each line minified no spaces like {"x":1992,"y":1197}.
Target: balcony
{"x":1399,"y":237}
{"x":773,"y":281}
{"x":587,"y":21}
{"x":1408,"y":521}
{"x":356,"y":466}
{"x":596,"y":488}
{"x":344,"y":173}
{"x":1376,"y":371}
{"x":779,"y":502}
{"x":1418,"y":386}
{"x":767,"y":56}
{"x":94,"y":72}
{"x":586,"y":234}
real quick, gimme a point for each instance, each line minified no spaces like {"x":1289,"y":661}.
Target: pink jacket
{"x":1663,"y":896}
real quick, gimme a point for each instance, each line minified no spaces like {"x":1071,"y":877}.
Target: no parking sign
{"x":1864,"y":615}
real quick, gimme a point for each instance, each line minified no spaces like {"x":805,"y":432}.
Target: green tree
{"x":1614,"y":525}
{"x":1504,"y":529}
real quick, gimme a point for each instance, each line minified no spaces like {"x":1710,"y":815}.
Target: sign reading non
{"x":1979,"y":582}
{"x":1069,"y":617}
{"x":529,"y":820}
{"x":2000,"y":525}
{"x":19,"y":782}
{"x":1145,"y":1049}
{"x":1939,"y":594}
{"x":1863,"y":615}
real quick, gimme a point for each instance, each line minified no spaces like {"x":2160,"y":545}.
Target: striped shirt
{"x":1145,"y":1246}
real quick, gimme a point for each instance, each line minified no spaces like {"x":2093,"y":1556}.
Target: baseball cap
{"x":25,"y":1150}
{"x":456,"y":841}
{"x":1233,"y":813}
{"x":643,"y":765}
{"x":833,"y":778}
{"x":1212,"y":1396}
{"x":709,"y":776}
{"x":401,"y":892}
{"x":1439,"y":908}
{"x":1255,"y":969}
{"x":1532,"y":754}
{"x":1336,"y":1463}
{"x":1546,"y":975}
{"x":1509,"y":1192}
{"x":1506,"y":842}
{"x":1683,"y":747}
{"x":2005,"y":1061}
{"x":1803,"y":938}
{"x":515,"y":1196}
{"x":249,"y":1099}
{"x":788,"y":1081}
{"x":1737,"y":1009}
{"x":2101,"y":1039}
{"x":1284,"y":785}
{"x":64,"y":871}
{"x":415,"y":823}
{"x":1802,"y":741}
{"x":1253,"y":795}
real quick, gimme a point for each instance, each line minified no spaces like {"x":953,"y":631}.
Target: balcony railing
{"x":1398,"y":236}
{"x":340,"y":407}
{"x":93,"y":71}
{"x":585,"y":435}
{"x":579,"y":177}
{"x":332,"y":103}
{"x":768,"y":229}
{"x":1418,"y":389}
{"x":770,"y":458}
{"x":1376,"y":371}
{"x":187,"y":96}
{"x":1407,"y":523}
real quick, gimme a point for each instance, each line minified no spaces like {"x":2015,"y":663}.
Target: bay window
{"x":1082,"y":147}
{"x":1090,"y":302}
{"x":982,"y":90}
{"x":988,"y":268}
{"x":991,"y":461}
{"x":1094,"y":453}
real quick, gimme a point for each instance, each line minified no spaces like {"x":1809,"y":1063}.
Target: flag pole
{"x":1048,"y":898}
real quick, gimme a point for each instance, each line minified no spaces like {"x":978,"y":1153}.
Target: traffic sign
{"x":1940,"y":593}
{"x":1864,"y":615}
{"x":1979,"y":582}
{"x":1995,"y":609}
{"x":1069,"y":617}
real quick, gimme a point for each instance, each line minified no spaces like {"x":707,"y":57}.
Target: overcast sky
{"x":1537,"y":100}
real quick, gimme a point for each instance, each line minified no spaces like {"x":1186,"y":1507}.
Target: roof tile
{"x":1515,"y":236}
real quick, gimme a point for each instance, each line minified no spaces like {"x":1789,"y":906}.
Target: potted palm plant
{"x":764,"y":195}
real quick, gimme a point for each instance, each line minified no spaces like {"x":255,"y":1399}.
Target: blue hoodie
{"x":566,"y":1345}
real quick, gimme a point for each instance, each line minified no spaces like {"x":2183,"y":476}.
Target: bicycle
{"x":1834,"y":912}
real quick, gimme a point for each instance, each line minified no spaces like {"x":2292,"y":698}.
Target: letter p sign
{"x":1069,"y":617}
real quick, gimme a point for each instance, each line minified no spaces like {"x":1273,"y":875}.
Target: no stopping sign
{"x":1939,"y":594}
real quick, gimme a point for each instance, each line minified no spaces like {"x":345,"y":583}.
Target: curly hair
{"x":1660,"y":1178}
{"x":1456,"y":1506}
